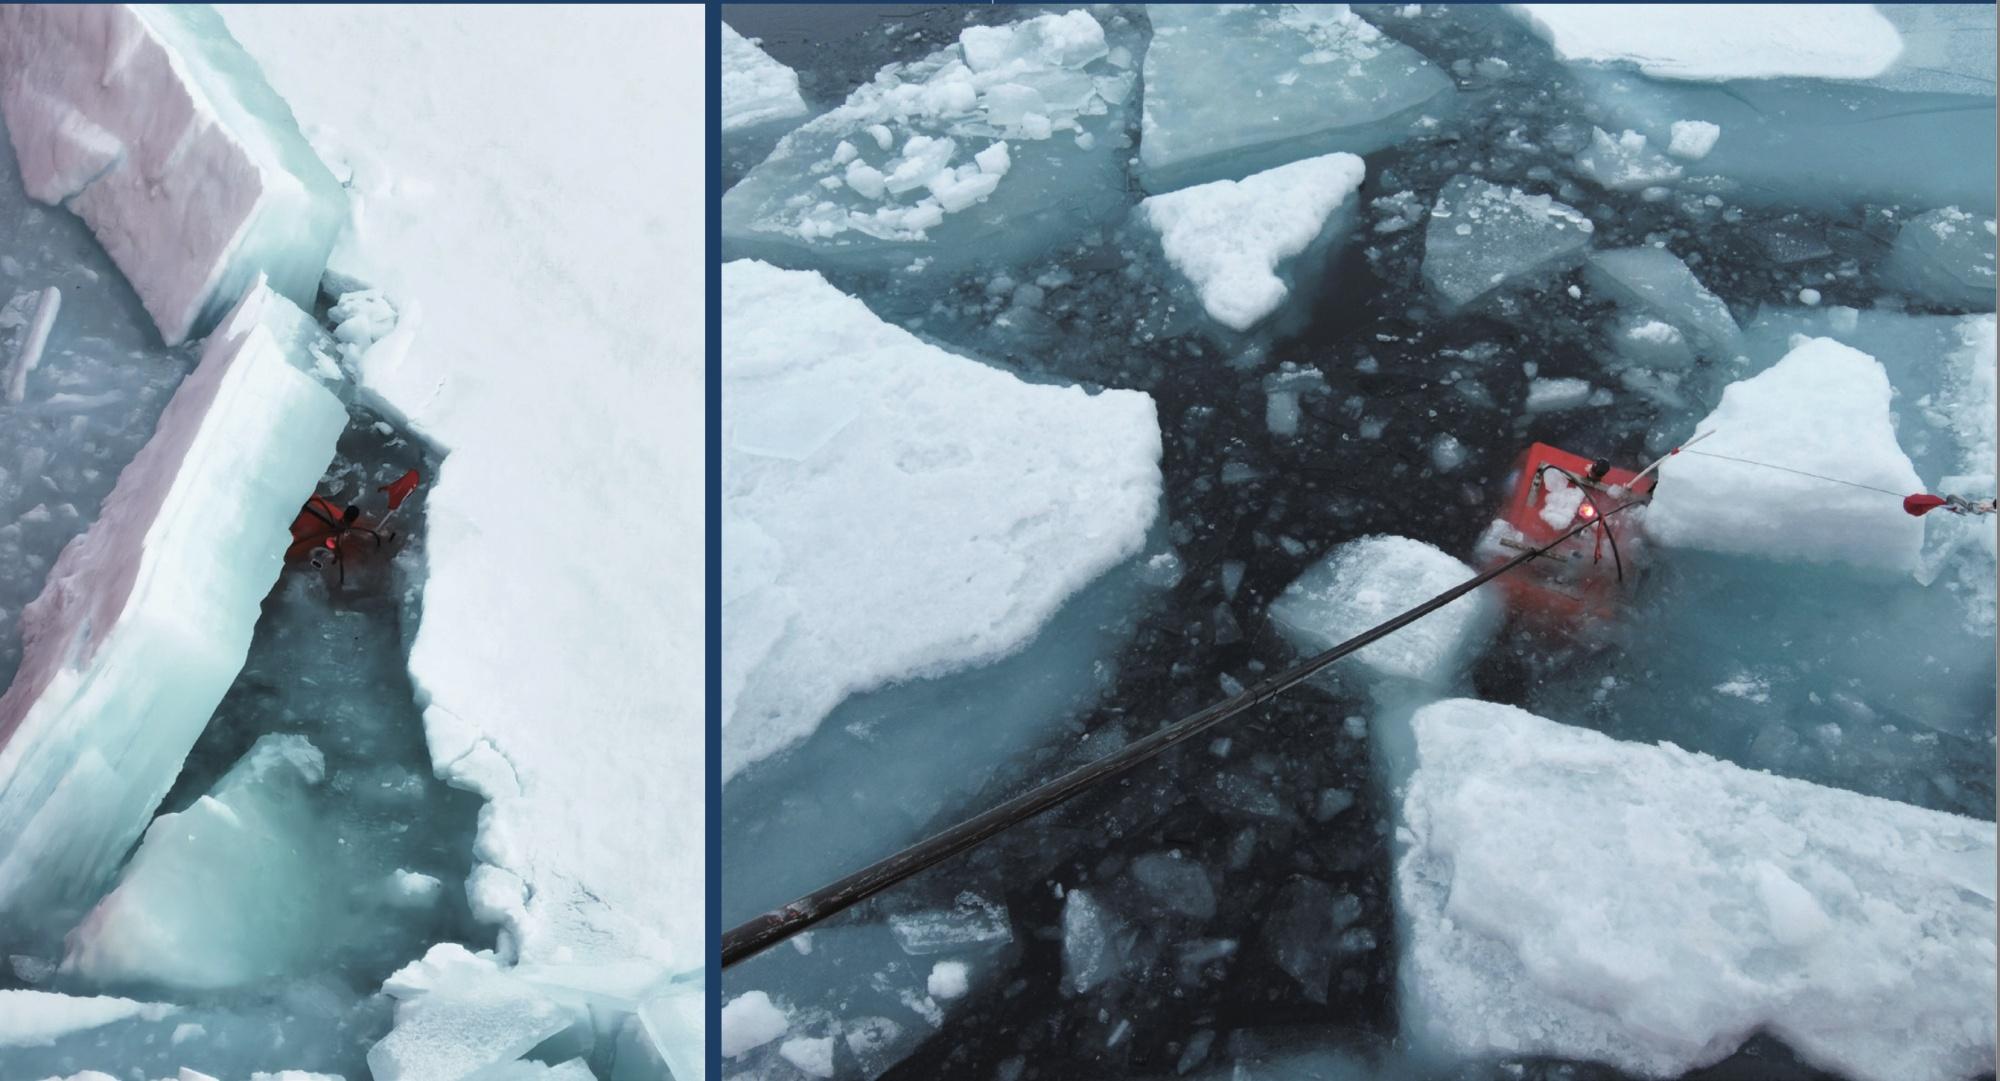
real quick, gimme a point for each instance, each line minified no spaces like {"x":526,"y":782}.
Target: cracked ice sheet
{"x":892,"y":510}
{"x":1569,"y":894}
{"x":1718,"y":42}
{"x":546,"y":266}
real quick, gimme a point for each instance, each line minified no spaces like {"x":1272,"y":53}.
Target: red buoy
{"x":1922,"y":503}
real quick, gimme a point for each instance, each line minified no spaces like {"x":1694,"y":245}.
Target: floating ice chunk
{"x":1483,"y":237}
{"x":40,"y":1018}
{"x":223,"y":893}
{"x":1655,"y":282}
{"x":1693,"y":139}
{"x":971,"y":921}
{"x":812,"y":1055}
{"x":458,"y":1014}
{"x":1229,"y":237}
{"x":146,"y":619}
{"x":1570,"y":895}
{"x":1823,"y":409}
{"x":750,"y":1021}
{"x":1555,"y":395}
{"x":1369,"y":580}
{"x":947,"y":980}
{"x":1025,"y":83}
{"x":1281,"y":396}
{"x":155,"y":127}
{"x":1234,"y":89}
{"x":1720,"y":42}
{"x":36,"y":338}
{"x":1946,"y":257}
{"x":1303,"y":933}
{"x":1624,"y":162}
{"x":939,"y":470}
{"x":755,"y":88}
{"x":1176,"y":884}
{"x":1095,"y":942}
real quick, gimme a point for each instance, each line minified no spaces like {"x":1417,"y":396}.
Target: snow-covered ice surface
{"x":570,"y":697}
{"x":39,"y":1018}
{"x":1228,"y":910}
{"x":1564,"y":893}
{"x":990,"y":149}
{"x":150,"y":124}
{"x":1824,"y":410}
{"x":860,"y":478}
{"x":140,"y":630}
{"x":1230,"y":237}
{"x":755,"y":88}
{"x":1811,"y":101}
{"x":1720,"y":42}
{"x":1231,"y":89}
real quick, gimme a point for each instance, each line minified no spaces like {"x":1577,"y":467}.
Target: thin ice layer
{"x":1656,"y":282}
{"x":1230,"y":237}
{"x":224,"y":893}
{"x":146,"y":619}
{"x":1367,"y":581}
{"x":1231,"y":89}
{"x":1946,"y":258}
{"x":755,"y":88}
{"x":154,"y":126}
{"x":988,"y":150}
{"x":1719,"y":42}
{"x":892,"y":510}
{"x":1824,"y":410}
{"x":559,"y":651}
{"x":1483,"y":237}
{"x":33,"y":1018}
{"x":1563,"y":893}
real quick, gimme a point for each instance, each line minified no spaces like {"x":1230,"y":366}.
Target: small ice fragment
{"x":750,"y":1021}
{"x":1692,"y":139}
{"x":948,"y":980}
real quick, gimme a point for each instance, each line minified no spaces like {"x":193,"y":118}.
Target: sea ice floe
{"x":1483,"y":237}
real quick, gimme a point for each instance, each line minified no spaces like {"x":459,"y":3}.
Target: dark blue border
{"x":712,"y":522}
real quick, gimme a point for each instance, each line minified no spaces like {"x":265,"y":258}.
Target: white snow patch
{"x":1228,"y":237}
{"x":948,"y":980}
{"x":1571,"y":895}
{"x":892,"y":510}
{"x":1718,"y":42}
{"x":1823,"y":409}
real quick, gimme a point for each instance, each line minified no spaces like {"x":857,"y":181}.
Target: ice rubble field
{"x":354,"y":315}
{"x":1356,"y":259}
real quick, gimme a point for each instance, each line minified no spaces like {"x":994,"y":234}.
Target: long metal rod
{"x":762,"y":932}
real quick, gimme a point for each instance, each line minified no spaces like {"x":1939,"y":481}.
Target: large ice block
{"x":1566,"y":894}
{"x":1372,"y":579}
{"x":154,"y":126}
{"x":989,"y":150}
{"x":1232,"y":89}
{"x":755,"y":88}
{"x":894,"y":511}
{"x":1483,"y":237}
{"x":34,"y":1018}
{"x":146,"y":618}
{"x":1719,"y":42}
{"x":1228,"y":237}
{"x":1655,"y":282}
{"x":224,"y":893}
{"x":1759,"y":485}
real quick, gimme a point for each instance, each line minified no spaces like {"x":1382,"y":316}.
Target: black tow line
{"x":762,"y":932}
